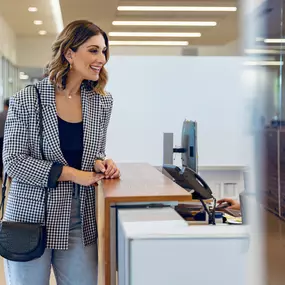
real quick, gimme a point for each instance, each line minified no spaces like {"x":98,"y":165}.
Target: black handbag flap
{"x":20,"y":238}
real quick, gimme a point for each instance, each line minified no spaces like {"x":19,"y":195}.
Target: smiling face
{"x":88,"y":60}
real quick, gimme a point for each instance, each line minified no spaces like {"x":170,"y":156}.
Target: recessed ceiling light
{"x":177,"y":8}
{"x":38,"y":22}
{"x":147,"y":34}
{"x":148,"y":43}
{"x":32,"y":9}
{"x":274,"y":41}
{"x":164,"y":23}
{"x":42,"y":33}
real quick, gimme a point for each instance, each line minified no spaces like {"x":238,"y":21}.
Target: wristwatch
{"x":99,"y":158}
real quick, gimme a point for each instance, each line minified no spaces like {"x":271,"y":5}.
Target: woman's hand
{"x":80,"y":177}
{"x":108,"y":167}
{"x":87,"y":178}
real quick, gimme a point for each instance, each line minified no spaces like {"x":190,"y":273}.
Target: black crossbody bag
{"x":21,"y":241}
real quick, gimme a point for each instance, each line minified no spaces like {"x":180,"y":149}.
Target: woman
{"x":76,"y":113}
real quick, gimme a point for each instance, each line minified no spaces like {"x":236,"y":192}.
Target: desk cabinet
{"x":282,"y":172}
{"x":274,"y":192}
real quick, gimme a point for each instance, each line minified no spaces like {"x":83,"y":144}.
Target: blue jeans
{"x":75,"y":266}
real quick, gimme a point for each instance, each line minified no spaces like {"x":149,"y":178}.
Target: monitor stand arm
{"x":211,"y":214}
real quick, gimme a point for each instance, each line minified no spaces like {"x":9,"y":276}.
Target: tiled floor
{"x":275,"y":252}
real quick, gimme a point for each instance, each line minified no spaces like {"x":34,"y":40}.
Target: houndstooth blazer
{"x":29,"y":173}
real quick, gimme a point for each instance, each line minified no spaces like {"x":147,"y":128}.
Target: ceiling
{"x":104,"y":12}
{"x":18,"y":17}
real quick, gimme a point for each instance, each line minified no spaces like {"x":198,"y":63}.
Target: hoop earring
{"x":70,"y":66}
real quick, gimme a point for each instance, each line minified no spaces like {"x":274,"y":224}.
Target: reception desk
{"x":139,"y":183}
{"x":133,"y":214}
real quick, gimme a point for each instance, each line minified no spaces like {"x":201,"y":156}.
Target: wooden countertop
{"x":141,"y":182}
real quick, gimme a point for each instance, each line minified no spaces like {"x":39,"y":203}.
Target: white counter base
{"x":156,"y":246}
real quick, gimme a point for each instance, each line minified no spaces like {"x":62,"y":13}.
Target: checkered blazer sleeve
{"x":107,"y":102}
{"x":17,"y":159}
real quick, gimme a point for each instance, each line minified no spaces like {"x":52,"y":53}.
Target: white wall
{"x":7,"y":41}
{"x":144,"y":50}
{"x":155,"y":94}
{"x":230,"y":49}
{"x":34,"y":51}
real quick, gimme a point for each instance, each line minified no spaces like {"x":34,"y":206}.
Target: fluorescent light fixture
{"x":24,"y":76}
{"x":164,"y":23}
{"x":177,"y":9}
{"x":264,"y":63}
{"x":261,"y":51}
{"x":274,"y":41}
{"x":279,"y":47}
{"x":38,"y":22}
{"x":57,"y":15}
{"x":148,"y":34}
{"x":148,"y":43}
{"x":42,"y":32}
{"x":32,"y":9}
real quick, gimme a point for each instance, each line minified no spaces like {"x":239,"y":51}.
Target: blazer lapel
{"x":91,"y":113}
{"x":50,"y":121}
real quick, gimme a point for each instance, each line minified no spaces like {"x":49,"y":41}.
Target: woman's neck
{"x":73,"y":84}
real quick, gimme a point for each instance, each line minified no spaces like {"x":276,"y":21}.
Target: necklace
{"x":70,"y":95}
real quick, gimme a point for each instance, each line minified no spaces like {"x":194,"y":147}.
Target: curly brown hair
{"x":72,"y":37}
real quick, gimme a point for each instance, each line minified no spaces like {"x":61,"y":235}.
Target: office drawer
{"x":271,"y":148}
{"x":271,"y":204}
{"x":282,"y":147}
{"x":271,"y":185}
{"x":283,"y":212}
{"x":282,"y":197}
{"x":273,"y":199}
{"x":272,"y":194}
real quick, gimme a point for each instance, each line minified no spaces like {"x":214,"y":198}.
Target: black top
{"x":71,"y":144}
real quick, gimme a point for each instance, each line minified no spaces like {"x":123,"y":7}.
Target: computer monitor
{"x":189,"y":156}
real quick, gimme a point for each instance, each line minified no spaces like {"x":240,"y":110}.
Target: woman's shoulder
{"x":25,"y":97}
{"x":107,"y":100}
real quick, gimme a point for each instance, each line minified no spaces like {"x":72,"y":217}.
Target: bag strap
{"x":3,"y":195}
{"x":42,"y":154}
